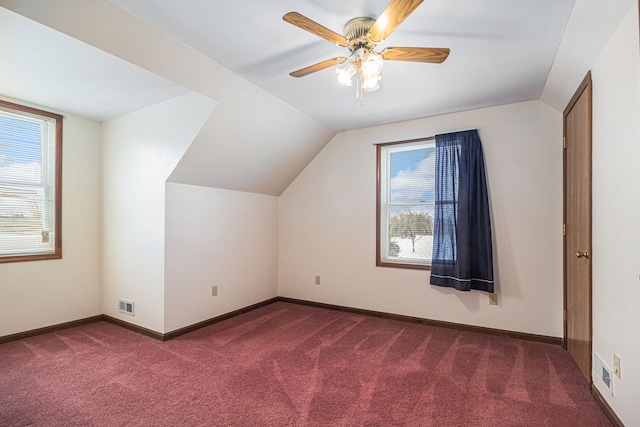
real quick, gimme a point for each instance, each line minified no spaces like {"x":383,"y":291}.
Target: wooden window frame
{"x":379,"y":260}
{"x":57,"y":244}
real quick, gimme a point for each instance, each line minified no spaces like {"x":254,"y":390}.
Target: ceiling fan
{"x":361,"y":35}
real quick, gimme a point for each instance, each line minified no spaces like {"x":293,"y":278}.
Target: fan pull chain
{"x":359,"y":92}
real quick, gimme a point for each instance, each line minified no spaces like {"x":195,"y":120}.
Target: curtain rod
{"x":424,"y":138}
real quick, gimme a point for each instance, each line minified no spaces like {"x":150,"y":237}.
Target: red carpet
{"x":291,"y":365}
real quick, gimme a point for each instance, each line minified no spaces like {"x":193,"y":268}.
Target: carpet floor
{"x":291,"y":365}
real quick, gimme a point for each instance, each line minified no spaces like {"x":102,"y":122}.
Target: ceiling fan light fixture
{"x":366,"y":64}
{"x":372,"y":65}
{"x":371,"y":83}
{"x":346,"y":72}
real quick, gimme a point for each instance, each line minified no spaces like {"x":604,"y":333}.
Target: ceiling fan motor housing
{"x":356,"y":32}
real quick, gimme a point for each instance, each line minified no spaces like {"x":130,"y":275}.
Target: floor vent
{"x":126,"y":307}
{"x":602,"y":371}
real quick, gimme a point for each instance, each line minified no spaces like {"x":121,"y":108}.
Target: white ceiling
{"x":51,"y":69}
{"x":96,"y":59}
{"x":501,"y":52}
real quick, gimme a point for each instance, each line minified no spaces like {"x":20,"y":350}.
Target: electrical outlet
{"x":214,"y":290}
{"x":493,"y":299}
{"x":616,"y":365}
{"x":317,"y":280}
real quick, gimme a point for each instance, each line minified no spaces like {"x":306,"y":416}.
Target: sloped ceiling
{"x":112,"y":56}
{"x":591,"y":26}
{"x":252,"y":142}
{"x":501,"y":52}
{"x":51,"y":69}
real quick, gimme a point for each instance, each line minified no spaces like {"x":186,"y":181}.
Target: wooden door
{"x":577,"y":218}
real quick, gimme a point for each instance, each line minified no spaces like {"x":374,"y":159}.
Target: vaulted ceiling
{"x":101,"y":58}
{"x":501,"y":52}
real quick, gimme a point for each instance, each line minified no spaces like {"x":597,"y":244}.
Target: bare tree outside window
{"x":411,"y":225}
{"x":406,"y":201}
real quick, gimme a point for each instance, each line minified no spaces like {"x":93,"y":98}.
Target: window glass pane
{"x":411,"y":233}
{"x":413,"y":175}
{"x":28,"y":179}
{"x":407,"y":195}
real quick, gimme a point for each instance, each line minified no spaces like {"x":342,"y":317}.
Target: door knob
{"x":584,"y":254}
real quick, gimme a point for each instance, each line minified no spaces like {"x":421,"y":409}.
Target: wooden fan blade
{"x":317,"y":67}
{"x":313,"y":27}
{"x":396,"y":12}
{"x":416,"y":54}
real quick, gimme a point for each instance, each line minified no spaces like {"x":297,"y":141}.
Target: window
{"x":30,"y":183}
{"x":405,"y":204}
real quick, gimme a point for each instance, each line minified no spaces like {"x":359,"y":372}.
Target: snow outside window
{"x":406,"y":200}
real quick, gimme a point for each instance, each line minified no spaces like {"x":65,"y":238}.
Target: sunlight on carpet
{"x":286,"y":364}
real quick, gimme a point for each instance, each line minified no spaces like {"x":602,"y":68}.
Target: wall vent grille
{"x":126,"y":307}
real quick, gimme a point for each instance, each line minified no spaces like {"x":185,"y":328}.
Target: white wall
{"x":327,"y":224}
{"x":589,"y":28}
{"x":140,"y":150}
{"x":250,"y":135}
{"x":217,"y":237}
{"x":616,"y":214}
{"x":36,"y":294}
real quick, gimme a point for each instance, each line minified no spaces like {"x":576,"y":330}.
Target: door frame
{"x":585,"y":85}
